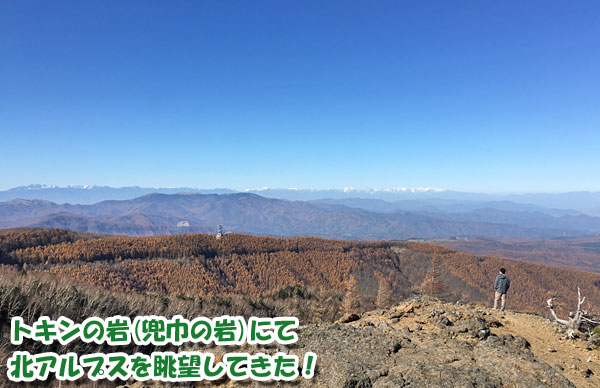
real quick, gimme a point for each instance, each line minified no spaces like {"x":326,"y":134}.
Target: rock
{"x":559,"y":367}
{"x":390,"y":382}
{"x":365,"y":355}
{"x":519,"y":366}
{"x":401,"y":311}
{"x":472,"y":325}
{"x":352,"y":317}
{"x":365,"y":324}
{"x":483,"y":333}
{"x":375,"y":356}
{"x":395,"y":347}
{"x":494,"y":339}
{"x":426,"y":352}
{"x":354,"y":382}
{"x":522,"y":343}
{"x":587,"y":373}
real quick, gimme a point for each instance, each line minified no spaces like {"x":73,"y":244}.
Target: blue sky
{"x":486,"y":96}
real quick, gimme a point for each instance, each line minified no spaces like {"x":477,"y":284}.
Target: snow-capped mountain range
{"x":401,"y":198}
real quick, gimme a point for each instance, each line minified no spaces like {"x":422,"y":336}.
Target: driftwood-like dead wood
{"x":576,"y":319}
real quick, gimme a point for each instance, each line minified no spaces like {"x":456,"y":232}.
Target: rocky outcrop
{"x":424,"y":343}
{"x":420,"y":343}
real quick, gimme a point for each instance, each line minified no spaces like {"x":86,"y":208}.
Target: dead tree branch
{"x":576,"y":320}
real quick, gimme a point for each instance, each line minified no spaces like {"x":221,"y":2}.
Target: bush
{"x":292,"y":291}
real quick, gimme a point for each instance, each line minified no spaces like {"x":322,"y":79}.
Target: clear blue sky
{"x":487,"y":96}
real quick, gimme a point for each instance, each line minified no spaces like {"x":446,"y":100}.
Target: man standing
{"x":501,"y":285}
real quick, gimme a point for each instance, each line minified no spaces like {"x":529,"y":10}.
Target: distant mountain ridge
{"x":401,"y":198}
{"x":90,"y":194}
{"x":157,"y":213}
{"x":435,"y":205}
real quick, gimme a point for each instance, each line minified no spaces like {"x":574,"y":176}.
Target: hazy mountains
{"x":436,"y":205}
{"x":89,"y":194}
{"x":408,"y":199}
{"x":155,"y":214}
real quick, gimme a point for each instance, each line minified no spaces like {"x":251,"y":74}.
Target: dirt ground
{"x":575,"y":359}
{"x":572,"y":357}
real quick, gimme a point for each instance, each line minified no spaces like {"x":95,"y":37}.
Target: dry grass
{"x":33,"y":295}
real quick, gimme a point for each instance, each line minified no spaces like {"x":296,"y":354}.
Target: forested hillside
{"x":12,"y":240}
{"x":580,"y":252}
{"x":367,"y":273}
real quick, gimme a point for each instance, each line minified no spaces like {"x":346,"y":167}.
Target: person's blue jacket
{"x":502,"y":283}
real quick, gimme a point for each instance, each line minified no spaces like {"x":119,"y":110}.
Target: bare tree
{"x":577,"y":320}
{"x":434,"y":284}
{"x":385,"y":295}
{"x":351,"y":295}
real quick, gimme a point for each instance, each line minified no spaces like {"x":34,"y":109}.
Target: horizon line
{"x":347,"y":189}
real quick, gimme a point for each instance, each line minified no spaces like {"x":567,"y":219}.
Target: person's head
{"x":502,"y":270}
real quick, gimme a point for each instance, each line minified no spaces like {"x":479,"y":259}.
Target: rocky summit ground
{"x":424,"y":342}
